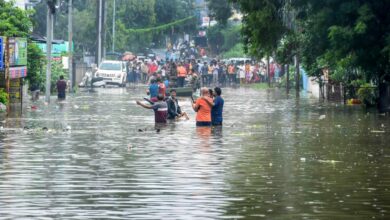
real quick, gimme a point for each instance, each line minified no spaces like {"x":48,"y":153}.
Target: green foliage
{"x":223,"y":38}
{"x":14,"y":22}
{"x":348,"y":37}
{"x":215,"y":38}
{"x":139,"y":23}
{"x":221,"y":10}
{"x":36,"y":59}
{"x":236,"y":51}
{"x":367,"y":94}
{"x":3,"y":97}
{"x":57,"y":70}
{"x":263,"y":26}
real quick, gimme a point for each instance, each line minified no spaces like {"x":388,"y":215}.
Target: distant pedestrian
{"x":181,"y":75}
{"x":34,"y":88}
{"x":153,"y":90}
{"x":61,"y":88}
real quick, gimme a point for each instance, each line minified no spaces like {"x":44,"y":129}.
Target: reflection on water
{"x":276,"y":157}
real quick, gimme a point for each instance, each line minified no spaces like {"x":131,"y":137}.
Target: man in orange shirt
{"x":232,"y":73}
{"x":203,"y":109}
{"x":181,"y":75}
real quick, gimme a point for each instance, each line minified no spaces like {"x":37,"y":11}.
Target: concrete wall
{"x":313,"y":87}
{"x":80,"y":70}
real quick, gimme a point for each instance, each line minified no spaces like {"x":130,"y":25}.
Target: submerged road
{"x":99,"y":156}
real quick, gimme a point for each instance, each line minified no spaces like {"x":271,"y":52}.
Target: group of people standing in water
{"x":208,"y":107}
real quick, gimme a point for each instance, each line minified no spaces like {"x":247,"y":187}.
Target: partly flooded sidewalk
{"x":98,"y":155}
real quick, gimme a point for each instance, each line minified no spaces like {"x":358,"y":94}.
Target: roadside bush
{"x":367,"y":94}
{"x":57,"y":69}
{"x":236,"y":51}
{"x":3,"y":97}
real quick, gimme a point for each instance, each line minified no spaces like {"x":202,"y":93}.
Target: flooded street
{"x":276,"y":157}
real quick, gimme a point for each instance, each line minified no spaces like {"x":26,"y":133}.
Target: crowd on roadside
{"x":196,"y":73}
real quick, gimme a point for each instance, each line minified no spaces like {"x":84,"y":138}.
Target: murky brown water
{"x":274,"y":158}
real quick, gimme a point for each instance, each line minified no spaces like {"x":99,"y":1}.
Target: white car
{"x":113,"y":72}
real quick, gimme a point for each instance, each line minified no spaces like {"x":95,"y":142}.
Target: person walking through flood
{"x":202,"y":108}
{"x":160,"y":109}
{"x":216,"y":107}
{"x":174,"y":110}
{"x":61,"y":88}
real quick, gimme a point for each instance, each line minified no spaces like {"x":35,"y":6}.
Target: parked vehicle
{"x":113,"y":72}
{"x":89,"y":81}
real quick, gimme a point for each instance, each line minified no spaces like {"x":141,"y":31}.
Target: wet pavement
{"x":99,"y":156}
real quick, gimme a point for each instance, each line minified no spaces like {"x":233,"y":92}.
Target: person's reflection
{"x":216,"y":131}
{"x":204,"y":133}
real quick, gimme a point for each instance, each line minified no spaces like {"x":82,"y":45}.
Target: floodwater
{"x":99,"y":156}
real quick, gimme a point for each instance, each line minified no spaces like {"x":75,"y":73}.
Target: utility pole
{"x":268,"y":72}
{"x":287,"y":66}
{"x":100,"y":32}
{"x":70,"y":39}
{"x":113,"y":26}
{"x":49,"y":37}
{"x":297,"y":75}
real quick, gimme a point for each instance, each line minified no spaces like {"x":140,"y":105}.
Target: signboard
{"x":56,"y":49}
{"x":205,"y":21}
{"x":202,"y":33}
{"x":17,"y":72}
{"x":1,"y":53}
{"x":18,"y":51}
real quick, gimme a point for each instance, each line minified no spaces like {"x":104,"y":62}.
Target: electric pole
{"x":100,"y":32}
{"x":70,"y":39}
{"x":49,"y":38}
{"x":113,"y":26}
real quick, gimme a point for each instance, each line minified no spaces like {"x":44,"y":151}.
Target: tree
{"x":14,"y":22}
{"x":221,"y":10}
{"x":263,"y":26}
{"x":35,"y":63}
{"x":357,"y":34}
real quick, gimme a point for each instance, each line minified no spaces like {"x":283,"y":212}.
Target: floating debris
{"x":329,"y":161}
{"x":322,"y":117}
{"x":377,"y":131}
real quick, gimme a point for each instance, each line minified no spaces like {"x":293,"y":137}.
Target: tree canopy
{"x":14,"y":22}
{"x":350,"y":38}
{"x":138,"y":22}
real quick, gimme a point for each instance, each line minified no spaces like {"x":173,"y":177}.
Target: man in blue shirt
{"x":153,"y":90}
{"x":216,"y":107}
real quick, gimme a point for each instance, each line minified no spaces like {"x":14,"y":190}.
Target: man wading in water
{"x":61,"y":88}
{"x":216,"y":107}
{"x":174,"y":110}
{"x":160,"y":109}
{"x":203,"y":109}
